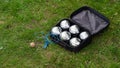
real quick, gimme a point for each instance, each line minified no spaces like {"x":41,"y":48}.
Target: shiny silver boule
{"x":75,"y":42}
{"x":56,"y":30}
{"x":65,"y":35}
{"x":65,"y":24}
{"x":74,"y":29}
{"x":84,"y":35}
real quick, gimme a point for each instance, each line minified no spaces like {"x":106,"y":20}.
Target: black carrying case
{"x":88,"y":20}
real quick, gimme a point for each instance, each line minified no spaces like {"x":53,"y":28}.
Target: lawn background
{"x":21,"y":19}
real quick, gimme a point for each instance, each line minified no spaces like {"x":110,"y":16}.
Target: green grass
{"x":20,"y":19}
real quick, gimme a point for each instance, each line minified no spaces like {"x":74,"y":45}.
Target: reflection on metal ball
{"x":75,"y":42}
{"x":65,"y":24}
{"x":84,"y":35}
{"x":56,"y":30}
{"x":65,"y":35}
{"x":74,"y":29}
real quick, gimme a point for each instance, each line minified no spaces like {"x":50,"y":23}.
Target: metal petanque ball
{"x":74,"y":29}
{"x":75,"y":42}
{"x":56,"y":30}
{"x":65,"y":35}
{"x":65,"y":24}
{"x":84,"y":35}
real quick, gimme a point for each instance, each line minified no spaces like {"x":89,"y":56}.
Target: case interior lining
{"x":90,"y":21}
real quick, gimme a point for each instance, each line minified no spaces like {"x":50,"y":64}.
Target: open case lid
{"x":90,"y":19}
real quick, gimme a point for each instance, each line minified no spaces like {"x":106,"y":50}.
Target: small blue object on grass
{"x":47,"y":41}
